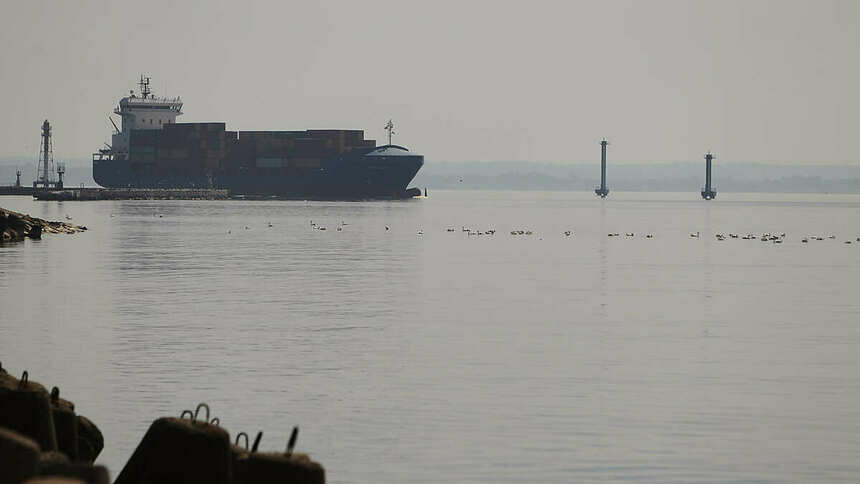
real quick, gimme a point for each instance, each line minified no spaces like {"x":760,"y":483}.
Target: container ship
{"x":151,"y":150}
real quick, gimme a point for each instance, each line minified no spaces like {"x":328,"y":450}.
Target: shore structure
{"x":602,"y":191}
{"x":41,"y":434}
{"x":49,"y":176}
{"x":46,"y":169}
{"x":708,"y":193}
{"x":83,"y":194}
{"x":43,"y":438}
{"x":17,"y":190}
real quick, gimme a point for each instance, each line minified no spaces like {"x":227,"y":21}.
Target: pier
{"x":132,"y":194}
{"x":16,"y":190}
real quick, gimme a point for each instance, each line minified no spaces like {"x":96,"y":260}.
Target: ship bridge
{"x":390,"y":150}
{"x":134,"y":102}
{"x":143,"y":111}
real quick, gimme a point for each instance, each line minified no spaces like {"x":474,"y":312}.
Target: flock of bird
{"x":631,"y":234}
{"x":339,"y":227}
{"x":765,"y":237}
{"x":773,"y":238}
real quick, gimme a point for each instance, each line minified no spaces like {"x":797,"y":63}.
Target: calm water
{"x":444,"y":357}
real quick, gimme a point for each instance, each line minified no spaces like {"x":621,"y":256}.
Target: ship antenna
{"x":144,"y":86}
{"x":390,"y":128}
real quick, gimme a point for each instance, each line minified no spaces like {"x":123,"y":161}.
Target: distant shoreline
{"x":841,"y":178}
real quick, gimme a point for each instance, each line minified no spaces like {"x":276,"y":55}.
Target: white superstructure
{"x":143,"y":112}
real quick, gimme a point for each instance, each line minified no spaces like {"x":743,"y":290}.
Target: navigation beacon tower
{"x":602,"y":191}
{"x":707,"y":192}
{"x":45,"y":166}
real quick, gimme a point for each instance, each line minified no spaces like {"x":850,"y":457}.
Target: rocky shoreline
{"x":16,"y":226}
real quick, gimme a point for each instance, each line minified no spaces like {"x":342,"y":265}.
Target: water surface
{"x":446,"y":357}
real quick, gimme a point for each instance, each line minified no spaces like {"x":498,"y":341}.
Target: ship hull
{"x":341,"y":178}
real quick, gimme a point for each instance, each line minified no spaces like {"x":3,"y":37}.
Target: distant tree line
{"x":518,"y":175}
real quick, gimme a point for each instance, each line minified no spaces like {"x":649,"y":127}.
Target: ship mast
{"x":390,"y":128}
{"x":144,"y":87}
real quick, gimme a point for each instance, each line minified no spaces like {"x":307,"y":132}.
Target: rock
{"x":26,"y":409}
{"x":65,"y":424}
{"x":9,"y":382}
{"x":90,"y":440}
{"x":19,"y":457}
{"x":85,"y":472}
{"x":15,"y":226}
{"x":75,"y":435}
{"x":275,"y":467}
{"x":35,"y":232}
{"x":52,"y":458}
{"x":265,"y":467}
{"x":240,"y":454}
{"x":54,"y":480}
{"x":176,"y":450}
{"x":42,"y":440}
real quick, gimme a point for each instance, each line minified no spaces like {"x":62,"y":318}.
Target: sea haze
{"x":523,"y":175}
{"x":448,"y":357}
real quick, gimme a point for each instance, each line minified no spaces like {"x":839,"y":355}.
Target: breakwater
{"x":16,"y":190}
{"x":84,"y":194}
{"x":16,"y":226}
{"x":42,"y":437}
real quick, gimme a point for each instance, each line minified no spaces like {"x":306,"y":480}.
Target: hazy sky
{"x":775,"y":81}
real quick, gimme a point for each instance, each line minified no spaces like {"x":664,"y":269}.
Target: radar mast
{"x":145,"y":92}
{"x":390,"y":128}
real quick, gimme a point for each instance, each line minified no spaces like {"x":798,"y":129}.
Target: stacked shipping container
{"x":205,"y":149}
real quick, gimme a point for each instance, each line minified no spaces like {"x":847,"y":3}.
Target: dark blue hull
{"x":360,"y":176}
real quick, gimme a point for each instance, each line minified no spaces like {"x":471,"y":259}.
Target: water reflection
{"x":447,"y":357}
